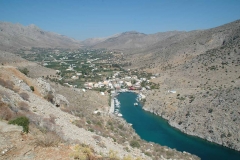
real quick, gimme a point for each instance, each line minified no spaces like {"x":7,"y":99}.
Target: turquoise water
{"x":155,"y":129}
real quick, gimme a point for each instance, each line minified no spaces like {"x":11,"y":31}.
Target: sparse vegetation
{"x":21,"y":121}
{"x":48,"y":139}
{"x":24,"y":96}
{"x":49,"y":97}
{"x":24,"y":71}
{"x":83,"y":152}
{"x":134,"y":144}
{"x":32,"y":88}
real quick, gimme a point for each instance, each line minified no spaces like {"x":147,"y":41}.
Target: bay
{"x":155,"y":129}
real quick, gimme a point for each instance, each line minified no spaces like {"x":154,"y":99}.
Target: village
{"x":99,"y":70}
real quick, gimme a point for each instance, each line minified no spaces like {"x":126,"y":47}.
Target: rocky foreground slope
{"x":54,"y":118}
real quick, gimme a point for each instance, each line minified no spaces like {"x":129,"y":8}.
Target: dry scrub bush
{"x":79,"y":123}
{"x":47,"y":124}
{"x":5,"y":95}
{"x":24,"y":96}
{"x":113,"y":155}
{"x":97,"y":138}
{"x":5,"y":111}
{"x":49,"y":97}
{"x":49,"y":139}
{"x":7,"y":84}
{"x":128,"y":157}
{"x":64,"y":109}
{"x":52,"y":118}
{"x":23,"y":106}
{"x":83,"y":152}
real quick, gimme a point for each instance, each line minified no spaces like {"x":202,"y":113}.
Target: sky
{"x":82,"y":19}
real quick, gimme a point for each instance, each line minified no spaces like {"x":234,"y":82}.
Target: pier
{"x":111,"y":110}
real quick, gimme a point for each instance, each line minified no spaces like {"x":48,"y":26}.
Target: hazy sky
{"x":81,"y":19}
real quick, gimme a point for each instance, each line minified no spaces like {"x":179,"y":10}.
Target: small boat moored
{"x":119,"y":115}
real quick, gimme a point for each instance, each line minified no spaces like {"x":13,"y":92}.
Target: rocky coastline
{"x":174,"y":124}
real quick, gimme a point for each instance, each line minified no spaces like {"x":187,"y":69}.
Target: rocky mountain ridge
{"x":17,"y":36}
{"x":133,"y":40}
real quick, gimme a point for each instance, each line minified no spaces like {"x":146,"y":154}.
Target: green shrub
{"x":134,"y":143}
{"x":210,"y":110}
{"x":32,"y":88}
{"x":24,"y":71}
{"x":21,"y":121}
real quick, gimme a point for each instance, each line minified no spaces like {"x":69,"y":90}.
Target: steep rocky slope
{"x":207,"y":100}
{"x":16,"y":36}
{"x":202,"y":66}
{"x":156,"y":52}
{"x":39,"y":111}
{"x":45,"y":108}
{"x":35,"y":70}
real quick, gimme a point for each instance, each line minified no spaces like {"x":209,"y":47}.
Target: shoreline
{"x":194,"y":135}
{"x":172,"y":124}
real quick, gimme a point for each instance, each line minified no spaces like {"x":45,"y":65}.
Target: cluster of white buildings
{"x":129,"y":82}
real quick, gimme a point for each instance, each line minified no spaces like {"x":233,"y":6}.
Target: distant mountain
{"x":157,"y":51}
{"x":16,"y":36}
{"x":202,"y":66}
{"x":94,"y":41}
{"x":133,"y":40}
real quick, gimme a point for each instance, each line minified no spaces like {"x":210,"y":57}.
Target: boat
{"x":117,"y":103}
{"x":135,"y":104}
{"x":119,"y":115}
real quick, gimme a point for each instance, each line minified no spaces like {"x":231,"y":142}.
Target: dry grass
{"x":23,"y":106}
{"x":7,"y":84}
{"x":83,"y":152}
{"x":49,"y":139}
{"x":24,"y":96}
{"x":5,"y":112}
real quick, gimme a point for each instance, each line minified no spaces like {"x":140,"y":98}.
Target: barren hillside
{"x":63,"y":122}
{"x":156,"y":52}
{"x":202,"y":66}
{"x":16,"y":36}
{"x":207,"y":100}
{"x":133,"y":40}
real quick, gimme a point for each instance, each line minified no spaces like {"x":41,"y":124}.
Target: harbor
{"x":115,"y":103}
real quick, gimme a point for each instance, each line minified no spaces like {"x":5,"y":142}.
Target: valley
{"x":63,"y":87}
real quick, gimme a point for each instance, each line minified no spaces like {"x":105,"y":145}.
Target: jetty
{"x":112,"y":107}
{"x":111,"y":110}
